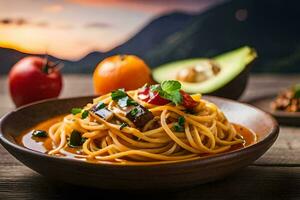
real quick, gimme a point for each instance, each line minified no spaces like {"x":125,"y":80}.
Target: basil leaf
{"x":118,"y":94}
{"x":170,"y":86}
{"x":84,"y":114}
{"x":39,"y":133}
{"x":75,"y":139}
{"x":75,"y":111}
{"x":155,"y":88}
{"x":169,"y":90}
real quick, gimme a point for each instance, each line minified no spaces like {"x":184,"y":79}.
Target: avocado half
{"x":229,"y":83}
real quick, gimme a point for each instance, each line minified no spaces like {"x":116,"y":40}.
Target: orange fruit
{"x":120,"y":71}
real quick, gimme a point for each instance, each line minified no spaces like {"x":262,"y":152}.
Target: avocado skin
{"x":235,"y":88}
{"x":231,"y":88}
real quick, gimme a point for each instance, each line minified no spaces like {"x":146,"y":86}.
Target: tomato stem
{"x":45,"y":68}
{"x":49,"y":66}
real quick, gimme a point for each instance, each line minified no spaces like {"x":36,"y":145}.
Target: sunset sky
{"x":71,"y":29}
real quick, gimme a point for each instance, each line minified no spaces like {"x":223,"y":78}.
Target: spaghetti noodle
{"x":172,"y":133}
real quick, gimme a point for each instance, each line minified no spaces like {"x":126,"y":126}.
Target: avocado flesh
{"x":231,"y":63}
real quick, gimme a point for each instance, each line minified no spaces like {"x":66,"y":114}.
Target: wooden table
{"x":276,"y":175}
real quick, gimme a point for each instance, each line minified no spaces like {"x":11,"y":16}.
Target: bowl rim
{"x":268,"y":140}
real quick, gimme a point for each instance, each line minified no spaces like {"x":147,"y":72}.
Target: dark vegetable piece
{"x":39,"y":133}
{"x":75,"y":139}
{"x":104,"y":113}
{"x":139,"y":115}
{"x":101,"y":111}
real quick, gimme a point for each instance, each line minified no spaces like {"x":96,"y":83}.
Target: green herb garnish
{"x":296,"y":89}
{"x":75,"y":139}
{"x":75,"y":111}
{"x":99,"y":106}
{"x":169,"y":90}
{"x":181,"y":121}
{"x":118,"y":94}
{"x":134,"y":112}
{"x":179,"y":126}
{"x":39,"y":133}
{"x":123,"y":125}
{"x":84,"y":114}
{"x":83,"y":139}
{"x":126,"y":101}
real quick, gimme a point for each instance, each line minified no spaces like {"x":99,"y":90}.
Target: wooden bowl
{"x":159,"y":176}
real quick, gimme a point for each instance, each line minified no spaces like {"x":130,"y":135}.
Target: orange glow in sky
{"x":71,"y":29}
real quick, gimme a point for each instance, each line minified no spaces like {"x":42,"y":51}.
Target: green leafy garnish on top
{"x":169,"y":90}
{"x":118,"y":94}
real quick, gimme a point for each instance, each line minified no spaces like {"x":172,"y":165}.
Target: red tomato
{"x":148,"y":96}
{"x":187,"y":100}
{"x":33,"y":79}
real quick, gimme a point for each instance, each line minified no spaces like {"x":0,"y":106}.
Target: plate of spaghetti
{"x":155,"y":137}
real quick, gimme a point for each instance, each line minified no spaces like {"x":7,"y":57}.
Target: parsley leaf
{"x":39,"y":133}
{"x":99,"y":106}
{"x":134,"y":112}
{"x":118,"y":94}
{"x":123,"y":125}
{"x":84,"y":114}
{"x":75,"y":111}
{"x":179,"y":126}
{"x":169,"y":90}
{"x":181,"y":121}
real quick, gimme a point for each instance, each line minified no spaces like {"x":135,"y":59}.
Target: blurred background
{"x":80,"y":33}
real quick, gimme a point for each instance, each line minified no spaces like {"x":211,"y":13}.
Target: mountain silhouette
{"x":273,"y":32}
{"x":148,"y":38}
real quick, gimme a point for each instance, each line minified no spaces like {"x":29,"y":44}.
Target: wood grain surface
{"x":276,"y":175}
